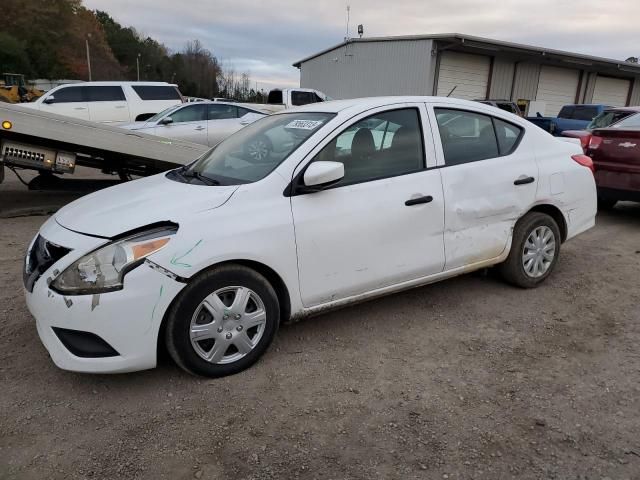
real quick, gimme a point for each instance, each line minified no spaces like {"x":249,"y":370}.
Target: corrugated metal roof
{"x":471,"y":41}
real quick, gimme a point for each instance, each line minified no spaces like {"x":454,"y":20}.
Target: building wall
{"x":372,"y":69}
{"x":525,"y":85}
{"x":409,"y":67}
{"x":635,"y":92}
{"x":590,"y":85}
{"x":501,"y":79}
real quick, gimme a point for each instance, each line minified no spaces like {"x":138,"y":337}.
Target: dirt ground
{"x":468,"y":378}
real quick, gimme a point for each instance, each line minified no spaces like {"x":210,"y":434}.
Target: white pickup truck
{"x":280,"y":99}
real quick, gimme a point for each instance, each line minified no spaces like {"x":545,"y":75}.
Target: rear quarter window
{"x":156,"y":92}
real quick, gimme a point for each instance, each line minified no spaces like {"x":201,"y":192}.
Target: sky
{"x":266,"y":37}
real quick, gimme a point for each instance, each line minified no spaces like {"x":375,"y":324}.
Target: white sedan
{"x":205,"y":122}
{"x":357,"y":199}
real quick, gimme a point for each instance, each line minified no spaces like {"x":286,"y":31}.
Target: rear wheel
{"x":534,"y":251}
{"x":223,"y":321}
{"x":606,"y":203}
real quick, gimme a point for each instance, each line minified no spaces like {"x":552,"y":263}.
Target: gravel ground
{"x":468,"y":378}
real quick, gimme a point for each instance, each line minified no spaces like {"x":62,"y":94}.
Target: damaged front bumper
{"x":106,"y":333}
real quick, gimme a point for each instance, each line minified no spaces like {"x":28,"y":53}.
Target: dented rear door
{"x":486,"y":188}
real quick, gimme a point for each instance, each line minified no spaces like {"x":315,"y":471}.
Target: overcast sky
{"x":266,"y":37}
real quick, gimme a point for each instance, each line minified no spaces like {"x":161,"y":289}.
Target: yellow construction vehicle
{"x":14,"y":89}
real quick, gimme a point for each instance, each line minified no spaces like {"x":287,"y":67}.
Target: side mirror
{"x":321,"y":174}
{"x":166,"y":121}
{"x":50,"y":99}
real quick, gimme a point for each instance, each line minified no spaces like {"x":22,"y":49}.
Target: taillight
{"x":585,"y":161}
{"x":594,"y":142}
{"x":584,"y":142}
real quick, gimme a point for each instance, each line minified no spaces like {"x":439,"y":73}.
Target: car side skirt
{"x":399,"y":287}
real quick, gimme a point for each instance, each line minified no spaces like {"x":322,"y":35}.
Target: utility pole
{"x":348,"y":15}
{"x":86,"y":40}
{"x":138,"y":66}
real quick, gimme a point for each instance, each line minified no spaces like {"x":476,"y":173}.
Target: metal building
{"x":469,"y":67}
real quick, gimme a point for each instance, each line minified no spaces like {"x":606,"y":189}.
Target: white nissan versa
{"x":357,"y":198}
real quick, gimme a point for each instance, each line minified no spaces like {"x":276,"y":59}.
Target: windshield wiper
{"x":195,"y":174}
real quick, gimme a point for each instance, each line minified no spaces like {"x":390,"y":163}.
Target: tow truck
{"x":55,"y":144}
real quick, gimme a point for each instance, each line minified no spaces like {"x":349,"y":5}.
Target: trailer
{"x":55,"y":144}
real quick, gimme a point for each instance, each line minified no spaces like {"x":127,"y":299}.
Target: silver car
{"x":207,"y":123}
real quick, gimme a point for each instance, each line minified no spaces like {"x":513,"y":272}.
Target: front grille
{"x":39,"y":258}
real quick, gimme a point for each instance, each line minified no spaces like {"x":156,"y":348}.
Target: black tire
{"x":606,"y":203}
{"x":177,"y":336}
{"x":512,"y":269}
{"x":259,"y":149}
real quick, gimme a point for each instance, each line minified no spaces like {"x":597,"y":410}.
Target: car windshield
{"x":632,"y":121}
{"x":158,"y":116}
{"x":607,"y":118}
{"x":255,"y":151}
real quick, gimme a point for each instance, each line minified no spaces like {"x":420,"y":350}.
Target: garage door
{"x":557,"y":87}
{"x":468,"y":73}
{"x":611,"y":91}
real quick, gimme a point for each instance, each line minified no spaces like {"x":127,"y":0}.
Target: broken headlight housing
{"x":103,"y":270}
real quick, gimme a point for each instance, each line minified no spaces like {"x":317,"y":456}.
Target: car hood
{"x":113,"y":211}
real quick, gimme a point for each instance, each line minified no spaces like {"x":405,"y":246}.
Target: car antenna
{"x":452,"y":90}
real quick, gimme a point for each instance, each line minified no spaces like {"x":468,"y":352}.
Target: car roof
{"x":100,"y":84}
{"x":248,"y":106}
{"x":335,"y":106}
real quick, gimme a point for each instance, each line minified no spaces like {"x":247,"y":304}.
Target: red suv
{"x":616,"y":155}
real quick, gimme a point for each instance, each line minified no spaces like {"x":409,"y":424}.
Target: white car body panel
{"x":204,"y":132}
{"x":112,"y":112}
{"x":329,"y":248}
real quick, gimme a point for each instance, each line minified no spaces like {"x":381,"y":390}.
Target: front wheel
{"x":534,"y":251}
{"x":222,"y":322}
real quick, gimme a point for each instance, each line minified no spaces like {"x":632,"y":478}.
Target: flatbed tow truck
{"x":54,"y":144}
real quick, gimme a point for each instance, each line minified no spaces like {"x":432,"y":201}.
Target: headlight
{"x":103,"y":270}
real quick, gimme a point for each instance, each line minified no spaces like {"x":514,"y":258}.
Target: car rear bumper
{"x":618,"y":194}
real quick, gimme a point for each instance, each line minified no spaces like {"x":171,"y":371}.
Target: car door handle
{"x":79,"y":108}
{"x":524,"y":180}
{"x":418,"y":200}
{"x":199,"y":128}
{"x":121,"y":106}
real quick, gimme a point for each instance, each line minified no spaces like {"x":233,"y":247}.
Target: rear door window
{"x":110,"y":93}
{"x":157,"y":92}
{"x":69,"y":95}
{"x":466,"y":136}
{"x":222,"y":112}
{"x":192,"y":113}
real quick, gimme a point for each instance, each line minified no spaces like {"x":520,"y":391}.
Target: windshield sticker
{"x":304,"y":124}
